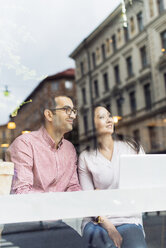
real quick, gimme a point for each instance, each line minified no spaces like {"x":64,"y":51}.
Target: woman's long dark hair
{"x":134,"y":144}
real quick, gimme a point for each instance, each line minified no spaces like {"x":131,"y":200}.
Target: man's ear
{"x":48,"y":114}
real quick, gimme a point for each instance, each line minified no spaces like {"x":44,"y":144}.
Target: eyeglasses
{"x":67,"y":109}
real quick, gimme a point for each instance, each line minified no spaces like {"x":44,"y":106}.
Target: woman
{"x":99,"y":169}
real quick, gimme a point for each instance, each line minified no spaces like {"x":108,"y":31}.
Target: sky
{"x":36,"y":39}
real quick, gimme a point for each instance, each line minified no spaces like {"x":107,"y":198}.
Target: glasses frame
{"x":68,"y":110}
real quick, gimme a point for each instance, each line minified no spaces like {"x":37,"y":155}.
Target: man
{"x":46,"y":162}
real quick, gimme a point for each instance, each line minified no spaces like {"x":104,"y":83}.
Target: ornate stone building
{"x":125,"y":68}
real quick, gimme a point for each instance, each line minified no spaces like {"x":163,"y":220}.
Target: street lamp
{"x":25,"y":131}
{"x":11,"y":125}
{"x":117,"y":119}
{"x":4,"y":145}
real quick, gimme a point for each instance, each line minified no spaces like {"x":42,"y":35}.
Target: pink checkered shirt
{"x":40,"y":167}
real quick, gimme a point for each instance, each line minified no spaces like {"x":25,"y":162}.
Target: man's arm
{"x":74,"y":183}
{"x":20,"y":153}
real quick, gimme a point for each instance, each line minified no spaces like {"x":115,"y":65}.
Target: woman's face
{"x":103,"y":121}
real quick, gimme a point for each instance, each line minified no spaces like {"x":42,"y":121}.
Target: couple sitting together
{"x":46,"y":162}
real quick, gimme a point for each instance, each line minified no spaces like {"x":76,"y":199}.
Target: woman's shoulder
{"x":124,"y":147}
{"x":87,"y":154}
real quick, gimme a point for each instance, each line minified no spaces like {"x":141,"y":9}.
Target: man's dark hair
{"x":50,"y":104}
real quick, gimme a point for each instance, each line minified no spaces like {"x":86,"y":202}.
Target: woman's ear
{"x":48,"y":114}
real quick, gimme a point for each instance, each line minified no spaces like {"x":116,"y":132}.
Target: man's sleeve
{"x":74,"y":183}
{"x":20,"y":153}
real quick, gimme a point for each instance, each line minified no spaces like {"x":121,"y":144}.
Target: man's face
{"x":61,"y":120}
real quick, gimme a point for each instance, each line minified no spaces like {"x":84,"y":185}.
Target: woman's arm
{"x":112,"y":231}
{"x":85,"y":177}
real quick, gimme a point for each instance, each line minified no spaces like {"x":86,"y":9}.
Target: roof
{"x":67,"y":74}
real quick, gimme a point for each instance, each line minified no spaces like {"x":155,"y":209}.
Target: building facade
{"x":125,"y":68}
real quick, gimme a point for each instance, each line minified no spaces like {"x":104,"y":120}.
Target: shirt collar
{"x":48,"y":138}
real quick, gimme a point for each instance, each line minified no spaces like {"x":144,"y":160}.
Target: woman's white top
{"x":97,"y":172}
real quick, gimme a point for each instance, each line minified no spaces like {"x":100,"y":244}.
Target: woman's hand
{"x":112,"y":232}
{"x":115,"y":236}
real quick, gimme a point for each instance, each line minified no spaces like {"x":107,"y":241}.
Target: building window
{"x":151,"y":8}
{"x":163,"y":40}
{"x":160,"y":4}
{"x":136,"y":135}
{"x":126,"y":34}
{"x":54,"y":86}
{"x":132,"y":97}
{"x":132,"y":26}
{"x":97,"y":53}
{"x":82,"y":68}
{"x":96,"y":88}
{"x":154,"y":139}
{"x":147,"y":93}
{"x":165,"y":80}
{"x":107,"y":45}
{"x":143,"y":54}
{"x":3,"y":136}
{"x":129,"y":66}
{"x":114,"y":43}
{"x":103,"y":51}
{"x":68,"y":85}
{"x":94,"y":59}
{"x":108,"y":106}
{"x":119,"y":35}
{"x":106,"y":84}
{"x":119,"y":106}
{"x":117,"y":74}
{"x":140,"y":21}
{"x":84,"y":95}
{"x":85,"y":123}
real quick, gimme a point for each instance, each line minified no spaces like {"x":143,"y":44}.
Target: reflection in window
{"x":160,"y":5}
{"x":147,"y":93}
{"x":84,"y":95}
{"x":96,"y":88}
{"x":132,"y":101}
{"x":68,"y":85}
{"x":140,"y":21}
{"x":163,"y":40}
{"x":143,"y":54}
{"x":129,"y":66}
{"x":106,"y":84}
